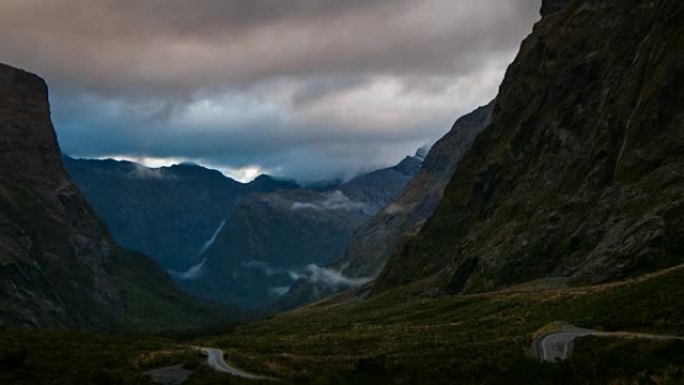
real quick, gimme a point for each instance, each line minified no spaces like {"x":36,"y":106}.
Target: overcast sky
{"x":303,"y":88}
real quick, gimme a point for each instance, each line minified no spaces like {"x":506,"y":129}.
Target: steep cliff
{"x":373,"y":242}
{"x":580,"y":176}
{"x":58,"y":265}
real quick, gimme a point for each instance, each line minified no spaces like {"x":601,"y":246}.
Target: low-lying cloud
{"x":192,"y":273}
{"x":335,"y":200}
{"x":270,"y":271}
{"x":333,"y":278}
{"x":311,"y":273}
{"x":141,"y":172}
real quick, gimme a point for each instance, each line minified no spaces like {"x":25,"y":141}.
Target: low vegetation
{"x":396,"y":337}
{"x":469,"y":339}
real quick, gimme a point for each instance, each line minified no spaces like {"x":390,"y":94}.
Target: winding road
{"x":216,"y":361}
{"x":558,"y":345}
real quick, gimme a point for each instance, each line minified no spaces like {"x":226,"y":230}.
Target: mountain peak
{"x":410,"y":165}
{"x":28,"y":138}
{"x":552,"y":6}
{"x":266,"y":183}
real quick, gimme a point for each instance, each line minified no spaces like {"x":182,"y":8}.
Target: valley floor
{"x":397,"y":337}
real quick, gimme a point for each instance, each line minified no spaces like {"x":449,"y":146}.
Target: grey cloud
{"x":316,"y":88}
{"x":311,"y":273}
{"x":307,"y":88}
{"x":333,"y":201}
{"x":177,"y":46}
{"x":333,"y":278}
{"x":192,"y":273}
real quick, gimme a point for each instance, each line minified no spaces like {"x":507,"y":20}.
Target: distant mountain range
{"x":170,"y":212}
{"x":271,"y":240}
{"x":225,"y":240}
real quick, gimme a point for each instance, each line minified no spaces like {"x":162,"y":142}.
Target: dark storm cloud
{"x":278,"y":84}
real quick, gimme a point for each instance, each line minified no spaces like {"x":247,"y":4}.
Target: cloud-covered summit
{"x":308,"y":88}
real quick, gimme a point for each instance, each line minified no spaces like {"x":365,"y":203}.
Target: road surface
{"x":216,"y":361}
{"x":558,"y":345}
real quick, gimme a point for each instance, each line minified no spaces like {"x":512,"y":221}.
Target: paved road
{"x":558,"y":345}
{"x":216,"y":361}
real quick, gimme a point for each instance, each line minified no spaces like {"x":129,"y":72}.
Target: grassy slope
{"x":154,"y":304}
{"x":476,"y":338}
{"x":396,"y":336}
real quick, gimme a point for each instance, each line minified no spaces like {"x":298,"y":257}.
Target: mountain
{"x":373,"y":242}
{"x":377,"y":188}
{"x":579,"y":179}
{"x":270,"y":240}
{"x":59,"y":266}
{"x":169,"y":213}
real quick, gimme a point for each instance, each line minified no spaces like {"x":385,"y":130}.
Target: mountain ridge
{"x":271,"y":239}
{"x":167,"y":212}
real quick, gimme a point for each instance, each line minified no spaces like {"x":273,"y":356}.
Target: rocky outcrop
{"x":58,"y":265}
{"x":552,"y":6}
{"x":580,"y":175}
{"x":373,"y":242}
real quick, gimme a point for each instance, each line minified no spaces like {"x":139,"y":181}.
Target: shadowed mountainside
{"x":579,"y":177}
{"x":270,"y":240}
{"x":59,"y":266}
{"x":168,"y":213}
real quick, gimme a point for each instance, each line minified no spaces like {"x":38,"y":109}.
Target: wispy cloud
{"x":142,"y":172}
{"x":311,"y":273}
{"x":335,"y":200}
{"x":279,"y":291}
{"x":333,"y":277}
{"x":192,"y":273}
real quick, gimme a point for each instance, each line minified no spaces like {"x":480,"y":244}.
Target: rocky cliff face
{"x":270,"y":240}
{"x":580,"y":175}
{"x":58,"y":264}
{"x":374,"y":241}
{"x":168,"y":213}
{"x":54,"y":257}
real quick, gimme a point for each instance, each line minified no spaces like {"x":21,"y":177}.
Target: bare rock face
{"x":28,"y":139}
{"x":552,"y":6}
{"x":580,"y":175}
{"x":52,"y":250}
